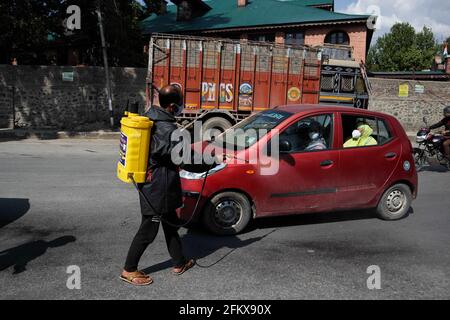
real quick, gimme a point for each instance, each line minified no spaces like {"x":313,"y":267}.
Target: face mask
{"x":356,"y":134}
{"x":178,"y":110}
{"x":313,"y":135}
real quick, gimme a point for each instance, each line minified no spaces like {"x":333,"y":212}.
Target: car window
{"x":364,"y":131}
{"x":384,"y":134}
{"x":247,"y":132}
{"x":310,"y":134}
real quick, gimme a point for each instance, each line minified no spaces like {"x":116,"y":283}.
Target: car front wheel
{"x":227,"y":213}
{"x":395,"y":203}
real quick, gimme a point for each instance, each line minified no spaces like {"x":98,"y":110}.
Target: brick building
{"x":310,"y":22}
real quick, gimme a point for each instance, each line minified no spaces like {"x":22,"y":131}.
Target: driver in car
{"x":315,"y":135}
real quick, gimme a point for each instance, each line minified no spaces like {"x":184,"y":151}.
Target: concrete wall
{"x":410,"y":110}
{"x":41,"y":99}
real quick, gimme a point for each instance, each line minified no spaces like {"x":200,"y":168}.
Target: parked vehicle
{"x":343,"y":80}
{"x":328,"y":178}
{"x":430,"y":145}
{"x":224,"y":81}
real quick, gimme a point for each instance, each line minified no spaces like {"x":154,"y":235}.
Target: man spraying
{"x":162,"y":190}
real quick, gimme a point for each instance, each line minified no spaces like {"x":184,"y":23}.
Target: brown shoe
{"x":137,"y":278}
{"x":180,"y":270}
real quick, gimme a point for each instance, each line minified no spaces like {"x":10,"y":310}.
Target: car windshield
{"x":247,"y":132}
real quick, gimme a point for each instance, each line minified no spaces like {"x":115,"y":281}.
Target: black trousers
{"x":146,"y":235}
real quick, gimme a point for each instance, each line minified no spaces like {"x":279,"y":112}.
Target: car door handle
{"x":390,"y":155}
{"x":326,"y":163}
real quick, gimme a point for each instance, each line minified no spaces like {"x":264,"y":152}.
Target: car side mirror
{"x":285,"y":146}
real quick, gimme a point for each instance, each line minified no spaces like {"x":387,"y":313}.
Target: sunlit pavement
{"x":61,"y":205}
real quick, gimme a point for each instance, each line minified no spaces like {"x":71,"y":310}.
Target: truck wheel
{"x":395,"y":203}
{"x":227,"y":213}
{"x":218,"y":123}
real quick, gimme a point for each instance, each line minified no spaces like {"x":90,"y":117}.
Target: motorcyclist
{"x":446,"y":123}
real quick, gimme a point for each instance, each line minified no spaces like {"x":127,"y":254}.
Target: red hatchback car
{"x":330,"y":159}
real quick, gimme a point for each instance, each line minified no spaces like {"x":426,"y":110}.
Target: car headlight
{"x":196,"y":176}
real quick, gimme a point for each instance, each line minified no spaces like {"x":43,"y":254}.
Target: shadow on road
{"x":12,"y":209}
{"x":18,"y":257}
{"x":310,"y":218}
{"x":433,"y":168}
{"x":199,"y":245}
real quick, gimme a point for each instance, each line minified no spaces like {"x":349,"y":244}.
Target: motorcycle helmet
{"x":447,"y":112}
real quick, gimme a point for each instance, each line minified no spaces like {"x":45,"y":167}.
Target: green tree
{"x":428,"y":47}
{"x":403,"y":49}
{"x":28,"y":28}
{"x":122,"y":32}
{"x":24,"y":28}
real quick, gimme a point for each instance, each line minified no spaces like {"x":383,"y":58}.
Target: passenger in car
{"x":315,"y":135}
{"x":361,"y":137}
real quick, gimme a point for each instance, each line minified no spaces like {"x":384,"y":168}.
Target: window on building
{"x":295,"y":38}
{"x":337,"y":37}
{"x":184,"y":12}
{"x":268,"y":37}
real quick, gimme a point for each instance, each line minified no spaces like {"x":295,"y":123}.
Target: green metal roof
{"x":314,"y":2}
{"x":225,"y":14}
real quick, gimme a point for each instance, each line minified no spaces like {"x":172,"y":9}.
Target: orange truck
{"x":224,"y":81}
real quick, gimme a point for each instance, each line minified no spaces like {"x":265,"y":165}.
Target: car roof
{"x":305,"y":108}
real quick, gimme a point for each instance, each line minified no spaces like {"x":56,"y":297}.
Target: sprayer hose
{"x":160,"y":215}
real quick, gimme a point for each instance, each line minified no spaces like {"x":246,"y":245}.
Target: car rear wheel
{"x":227,"y":213}
{"x":395,"y":202}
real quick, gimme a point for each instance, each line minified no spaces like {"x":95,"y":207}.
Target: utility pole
{"x":105,"y":61}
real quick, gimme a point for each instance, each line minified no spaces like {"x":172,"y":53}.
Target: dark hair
{"x":315,"y":127}
{"x":168,"y":95}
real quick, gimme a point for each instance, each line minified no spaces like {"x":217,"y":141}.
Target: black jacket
{"x":163,"y":186}
{"x":444,"y":122}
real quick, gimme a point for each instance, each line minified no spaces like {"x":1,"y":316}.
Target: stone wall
{"x":37,"y":97}
{"x":410,"y":110}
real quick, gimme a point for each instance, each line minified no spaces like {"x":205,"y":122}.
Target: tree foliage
{"x":30,"y":29}
{"x":403,"y":49}
{"x":25,"y":26}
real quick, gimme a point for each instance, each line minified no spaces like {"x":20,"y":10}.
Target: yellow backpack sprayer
{"x":135,"y":139}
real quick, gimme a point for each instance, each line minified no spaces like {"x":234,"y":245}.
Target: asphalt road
{"x":61,"y":205}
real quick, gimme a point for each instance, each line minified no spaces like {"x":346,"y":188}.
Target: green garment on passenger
{"x":364,"y":140}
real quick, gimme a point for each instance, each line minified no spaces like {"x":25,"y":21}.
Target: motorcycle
{"x":430,"y":145}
